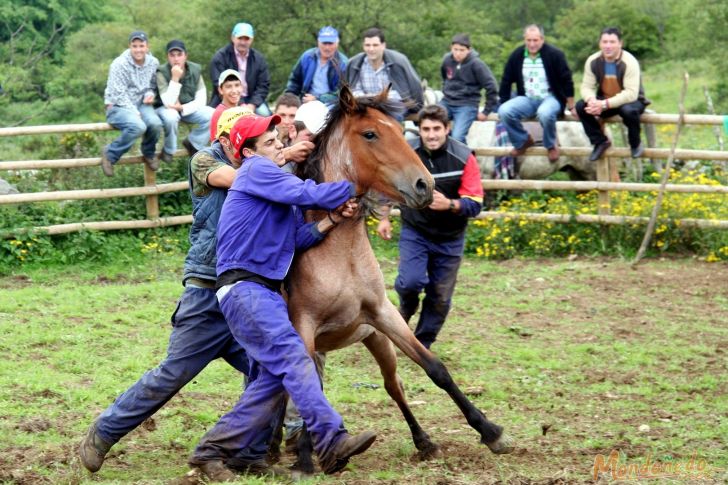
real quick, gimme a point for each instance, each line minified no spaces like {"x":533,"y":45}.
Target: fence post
{"x":603,"y":176}
{"x":150,"y":179}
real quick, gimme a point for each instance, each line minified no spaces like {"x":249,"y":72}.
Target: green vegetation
{"x":56,"y":55}
{"x":587,"y":350}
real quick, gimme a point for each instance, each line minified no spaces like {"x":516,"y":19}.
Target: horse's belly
{"x":334,"y":335}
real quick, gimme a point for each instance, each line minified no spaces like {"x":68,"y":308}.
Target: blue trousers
{"x":199,"y":335}
{"x":133,"y":123}
{"x":462,"y":118}
{"x":514,"y":110}
{"x":258,"y":318}
{"x":432,"y":266}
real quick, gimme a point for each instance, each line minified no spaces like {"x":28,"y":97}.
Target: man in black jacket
{"x":432,"y":240}
{"x":251,"y":65}
{"x":543,"y":88}
{"x":371,"y":71}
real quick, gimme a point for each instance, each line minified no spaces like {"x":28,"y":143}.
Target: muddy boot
{"x":216,"y":471}
{"x":93,"y":449}
{"x":349,"y":446}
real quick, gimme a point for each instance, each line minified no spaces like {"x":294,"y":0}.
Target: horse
{"x":336,"y":291}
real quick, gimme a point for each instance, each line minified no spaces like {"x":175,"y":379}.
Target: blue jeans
{"x":462,"y":117}
{"x":432,"y":266}
{"x":546,"y":110}
{"x":258,"y":318}
{"x":200,"y":335}
{"x":133,"y":123}
{"x":199,"y":136}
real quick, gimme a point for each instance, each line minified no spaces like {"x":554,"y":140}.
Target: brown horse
{"x":336,"y":289}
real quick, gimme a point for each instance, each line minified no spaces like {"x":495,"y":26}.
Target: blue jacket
{"x":200,"y":261}
{"x":260,"y":228}
{"x":301,"y":78}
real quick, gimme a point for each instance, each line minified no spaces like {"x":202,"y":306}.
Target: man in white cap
{"x":309,"y":121}
{"x":230,"y":89}
{"x":320,"y":70}
{"x":250,"y":64}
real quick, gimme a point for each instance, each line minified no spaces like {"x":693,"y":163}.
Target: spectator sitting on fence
{"x":181,"y":96}
{"x":544,"y":87}
{"x":250,"y":64}
{"x":230,"y":88}
{"x":320,"y":70}
{"x":287,"y":105}
{"x":370,"y":72}
{"x":129,"y":96}
{"x":432,"y":240}
{"x":464,"y":75}
{"x":611,"y":86}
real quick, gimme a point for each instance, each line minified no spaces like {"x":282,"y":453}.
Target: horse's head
{"x":364,"y":144}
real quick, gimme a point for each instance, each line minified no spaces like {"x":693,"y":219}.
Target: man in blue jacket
{"x":543,"y":89}
{"x":260,"y":229}
{"x":250,"y":63}
{"x":319,"y":70}
{"x":200,"y":333}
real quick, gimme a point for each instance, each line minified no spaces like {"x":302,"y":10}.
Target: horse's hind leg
{"x":390,"y":323}
{"x":383,"y":351}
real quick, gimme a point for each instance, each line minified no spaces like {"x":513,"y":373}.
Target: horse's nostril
{"x":421,"y":186}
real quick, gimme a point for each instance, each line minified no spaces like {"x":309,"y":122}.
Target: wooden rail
{"x":151,"y":190}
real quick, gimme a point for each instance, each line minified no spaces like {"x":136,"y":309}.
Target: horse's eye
{"x":369,"y":135}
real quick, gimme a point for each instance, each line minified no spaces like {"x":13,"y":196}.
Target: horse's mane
{"x":312,"y":168}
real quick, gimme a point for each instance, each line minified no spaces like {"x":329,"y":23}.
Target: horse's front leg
{"x":383,"y":351}
{"x":391,"y":324}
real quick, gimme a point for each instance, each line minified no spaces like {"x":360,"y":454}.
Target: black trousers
{"x":629,"y":112}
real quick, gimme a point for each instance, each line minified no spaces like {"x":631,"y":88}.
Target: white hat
{"x":312,"y":114}
{"x":226,"y":74}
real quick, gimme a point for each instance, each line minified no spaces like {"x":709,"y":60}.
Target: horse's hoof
{"x":429,"y":452}
{"x":503,"y":445}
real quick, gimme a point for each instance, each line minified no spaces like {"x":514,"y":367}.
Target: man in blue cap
{"x":250,"y":63}
{"x":319,"y":70}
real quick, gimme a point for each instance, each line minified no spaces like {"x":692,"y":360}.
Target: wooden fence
{"x":606,"y":181}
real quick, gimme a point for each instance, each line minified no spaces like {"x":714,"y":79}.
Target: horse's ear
{"x":347,"y":101}
{"x":384,"y":95}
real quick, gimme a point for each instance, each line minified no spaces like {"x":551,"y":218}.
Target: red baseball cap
{"x":250,"y":127}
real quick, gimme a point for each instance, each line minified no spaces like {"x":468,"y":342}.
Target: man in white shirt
{"x":182,"y":96}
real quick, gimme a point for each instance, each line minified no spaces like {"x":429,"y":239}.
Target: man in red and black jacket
{"x":432,"y":240}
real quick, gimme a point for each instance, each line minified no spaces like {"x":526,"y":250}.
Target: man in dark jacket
{"x":319,"y":70}
{"x":371,"y":71}
{"x":432,"y":240}
{"x":543,"y":88}
{"x":463,"y":76}
{"x":251,"y":65}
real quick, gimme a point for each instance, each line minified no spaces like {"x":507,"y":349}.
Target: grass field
{"x":575,"y":358}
